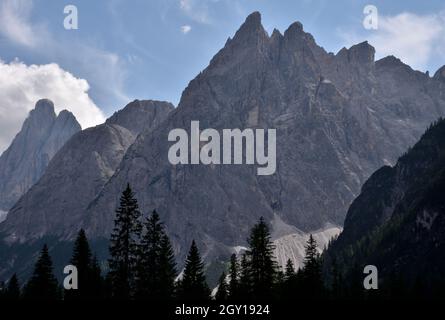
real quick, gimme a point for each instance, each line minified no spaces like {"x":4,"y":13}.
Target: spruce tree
{"x":167,"y":274}
{"x":261,"y":263}
{"x":234,"y":289}
{"x":222,"y":293}
{"x":13,"y":289}
{"x":156,"y":272}
{"x":245,"y":278}
{"x":289,"y":283}
{"x":193,"y":285}
{"x":42,"y":285}
{"x":290,"y":271}
{"x":124,"y":246}
{"x":81,"y":259}
{"x":312,"y":279}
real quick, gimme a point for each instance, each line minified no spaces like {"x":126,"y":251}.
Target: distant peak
{"x":45,"y":104}
{"x":65,"y":114}
{"x":253,"y":19}
{"x":362,"y":53}
{"x":43,"y":111}
{"x":251,"y":28}
{"x":294,"y":28}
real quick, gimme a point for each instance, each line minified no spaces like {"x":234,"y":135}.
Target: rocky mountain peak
{"x":41,"y":136}
{"x":362,"y":53}
{"x":295,"y":28}
{"x":43,"y":112}
{"x":140,"y":114}
{"x":251,"y":31}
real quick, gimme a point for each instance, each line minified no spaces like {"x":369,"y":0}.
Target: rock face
{"x":338,"y":118}
{"x":397,"y":223}
{"x":59,"y":200}
{"x":42,"y":135}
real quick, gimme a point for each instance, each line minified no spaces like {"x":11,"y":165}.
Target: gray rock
{"x":42,"y":135}
{"x":59,"y":200}
{"x":338,"y":118}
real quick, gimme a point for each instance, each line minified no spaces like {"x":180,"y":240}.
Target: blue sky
{"x":127,"y":49}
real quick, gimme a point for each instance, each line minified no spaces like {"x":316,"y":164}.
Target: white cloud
{"x":14,"y":24}
{"x":412,"y":38}
{"x":197,"y":10}
{"x":104,"y":70}
{"x":186,"y":29}
{"x":22,"y":85}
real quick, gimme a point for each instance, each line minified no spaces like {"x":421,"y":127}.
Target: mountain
{"x":338,"y":118}
{"x":42,"y":135}
{"x":397,"y":223}
{"x":78,"y":172}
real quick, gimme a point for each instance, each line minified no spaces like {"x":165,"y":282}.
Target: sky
{"x":150,"y":49}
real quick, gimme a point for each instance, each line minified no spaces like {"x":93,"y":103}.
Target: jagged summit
{"x":362,"y":53}
{"x":41,"y":136}
{"x":251,"y":31}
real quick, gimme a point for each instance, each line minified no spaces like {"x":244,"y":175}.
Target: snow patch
{"x":238,"y":249}
{"x":292,"y":246}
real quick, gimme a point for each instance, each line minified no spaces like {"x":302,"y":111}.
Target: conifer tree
{"x":167,"y":274}
{"x":289,"y":284}
{"x":290,"y":271}
{"x":13,"y":289}
{"x":81,"y":259}
{"x":244,"y":279}
{"x":193,"y":285}
{"x":222,"y":293}
{"x":261,"y":263}
{"x":42,"y":285}
{"x":312,"y":279}
{"x":156,"y":272}
{"x":124,"y":246}
{"x":234,"y":289}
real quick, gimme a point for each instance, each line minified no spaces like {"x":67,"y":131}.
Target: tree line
{"x":142,"y":266}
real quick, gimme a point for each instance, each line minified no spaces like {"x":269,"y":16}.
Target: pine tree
{"x":234,"y":289}
{"x":222,"y":293}
{"x":290,"y":271}
{"x":124,"y":247}
{"x":245,"y":278}
{"x":261,"y":263}
{"x":312,"y":280}
{"x":289,"y":284}
{"x":13,"y":290}
{"x":81,"y":259}
{"x":42,"y":285}
{"x":193,"y":285}
{"x":156,"y":272}
{"x":167,"y":274}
